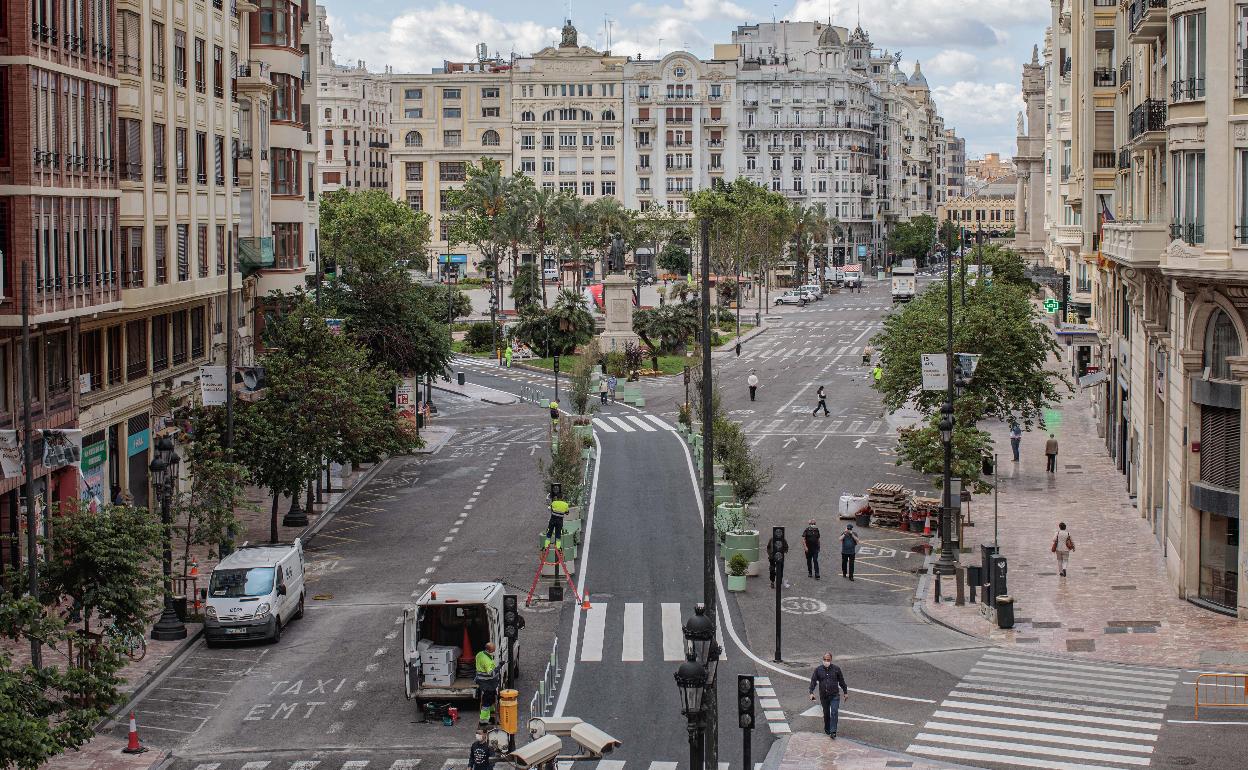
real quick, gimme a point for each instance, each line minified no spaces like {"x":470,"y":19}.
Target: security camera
{"x":534,"y":753}
{"x":539,"y":726}
{"x":593,"y":740}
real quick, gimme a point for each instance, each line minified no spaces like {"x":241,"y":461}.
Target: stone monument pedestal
{"x":617,"y":300}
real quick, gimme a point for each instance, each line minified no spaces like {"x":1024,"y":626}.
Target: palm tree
{"x":609,"y":217}
{"x":576,"y":220}
{"x":543,"y":210}
{"x":810,"y":226}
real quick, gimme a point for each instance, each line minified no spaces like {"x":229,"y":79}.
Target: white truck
{"x":903,"y":282}
{"x":445,"y":618}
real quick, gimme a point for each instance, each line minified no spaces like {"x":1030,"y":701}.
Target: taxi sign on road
{"x":1051,"y":305}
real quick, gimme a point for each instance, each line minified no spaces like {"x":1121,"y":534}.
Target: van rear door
{"x":411,"y":655}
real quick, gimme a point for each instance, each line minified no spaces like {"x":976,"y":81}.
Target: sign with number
{"x":935,"y":371}
{"x":1051,"y":305}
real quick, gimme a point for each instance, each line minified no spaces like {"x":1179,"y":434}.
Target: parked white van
{"x":254,"y":592}
{"x":550,"y":273}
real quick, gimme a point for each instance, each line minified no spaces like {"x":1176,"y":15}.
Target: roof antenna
{"x":859,"y":22}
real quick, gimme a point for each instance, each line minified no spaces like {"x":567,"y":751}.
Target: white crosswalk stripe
{"x":1071,"y":715}
{"x":617,"y":631}
{"x":661,"y":423}
{"x":623,"y":425}
{"x":673,"y":636}
{"x":640,"y":423}
{"x":603,"y":425}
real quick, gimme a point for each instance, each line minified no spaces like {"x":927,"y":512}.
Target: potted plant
{"x":587,"y":445}
{"x":736,"y":572}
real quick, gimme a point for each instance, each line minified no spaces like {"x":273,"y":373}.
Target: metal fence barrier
{"x":1221,"y":691}
{"x":544,"y":696}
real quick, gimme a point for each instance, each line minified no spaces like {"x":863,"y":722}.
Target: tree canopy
{"x":370,"y":231}
{"x":912,"y":239}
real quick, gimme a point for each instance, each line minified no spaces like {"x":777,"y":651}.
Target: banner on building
{"x":94,"y":456}
{"x":137,"y":443}
{"x":405,"y":402}
{"x":61,"y":448}
{"x":10,"y":454}
{"x":212,"y":385}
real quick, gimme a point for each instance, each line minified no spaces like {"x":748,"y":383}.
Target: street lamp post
{"x":164,"y":469}
{"x":702,"y":651}
{"x":708,"y":491}
{"x":691,"y":680}
{"x":947,"y":563}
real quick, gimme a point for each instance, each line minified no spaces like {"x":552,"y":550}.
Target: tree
{"x":103,"y":563}
{"x":583,"y":378}
{"x":526,"y":289}
{"x":324,"y":400}
{"x":44,"y":712}
{"x":675,"y":259}
{"x":544,"y":208}
{"x":810,"y":227}
{"x":913,"y":239}
{"x":665,"y":329}
{"x":749,"y":225}
{"x":1007,"y":265}
{"x":204,"y":514}
{"x":370,"y":231}
{"x":476,"y":212}
{"x":557,"y":331}
{"x":666,"y":233}
{"x":576,"y":222}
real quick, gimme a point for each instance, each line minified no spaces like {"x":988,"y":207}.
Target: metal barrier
{"x":1221,"y":691}
{"x":547,"y":689}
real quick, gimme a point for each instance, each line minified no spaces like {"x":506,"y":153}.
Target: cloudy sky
{"x":971,"y":50}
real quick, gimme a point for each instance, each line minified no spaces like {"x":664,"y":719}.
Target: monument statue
{"x":616,"y":262}
{"x":569,"y":35}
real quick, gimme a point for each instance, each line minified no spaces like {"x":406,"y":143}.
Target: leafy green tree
{"x":204,"y":514}
{"x":749,"y":225}
{"x":478,"y":213}
{"x":544,"y":208}
{"x":949,"y":234}
{"x":105,"y":563}
{"x":1007,"y":265}
{"x":668,"y":236}
{"x":526,"y":289}
{"x":559,"y":330}
{"x":370,"y":231}
{"x":576,"y":223}
{"x":675,"y":259}
{"x":609,"y":218}
{"x":583,"y":378}
{"x":921,"y":447}
{"x":665,"y":329}
{"x":44,"y":712}
{"x":811,"y":226}
{"x":913,"y":239}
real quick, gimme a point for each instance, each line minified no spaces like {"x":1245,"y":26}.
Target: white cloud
{"x":693,"y":10}
{"x":977,"y":107}
{"x":952,"y":64}
{"x":893,"y":23}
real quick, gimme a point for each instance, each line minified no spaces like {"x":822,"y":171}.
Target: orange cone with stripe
{"x":132,"y":745}
{"x":927,"y":526}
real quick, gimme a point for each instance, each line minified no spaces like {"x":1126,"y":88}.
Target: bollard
{"x":460,"y":377}
{"x":937,"y":587}
{"x":960,"y":587}
{"x":973,"y":578}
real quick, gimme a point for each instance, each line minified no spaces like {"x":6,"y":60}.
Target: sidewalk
{"x":814,"y":751}
{"x":1116,"y":603}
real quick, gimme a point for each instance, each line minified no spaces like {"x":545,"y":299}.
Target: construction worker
{"x":486,"y":680}
{"x":554,"y":527}
{"x":877,"y":374}
{"x":554,"y":412}
{"x":507,"y":354}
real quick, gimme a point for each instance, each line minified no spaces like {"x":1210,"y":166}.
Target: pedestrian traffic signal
{"x":745,"y":701}
{"x":512,"y":621}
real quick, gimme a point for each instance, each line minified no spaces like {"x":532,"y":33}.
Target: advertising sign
{"x":862,"y":250}
{"x":212,"y":385}
{"x":138,"y":442}
{"x":61,"y":448}
{"x":92,"y":467}
{"x":405,"y":402}
{"x":10,"y":454}
{"x":935,"y":371}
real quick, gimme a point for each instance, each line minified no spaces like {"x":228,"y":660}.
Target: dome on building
{"x":917,"y":80}
{"x":898,"y":76}
{"x":829,"y":38}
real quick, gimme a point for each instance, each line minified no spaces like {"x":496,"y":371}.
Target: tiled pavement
{"x":814,"y":751}
{"x":1116,"y":603}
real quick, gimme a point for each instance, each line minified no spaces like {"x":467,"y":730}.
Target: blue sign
{"x":138,"y":442}
{"x":862,"y":249}
{"x":455,"y":259}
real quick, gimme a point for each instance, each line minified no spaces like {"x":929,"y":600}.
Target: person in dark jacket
{"x":810,"y":544}
{"x":772,"y":561}
{"x":849,"y":549}
{"x":480,"y":754}
{"x":826,"y":679}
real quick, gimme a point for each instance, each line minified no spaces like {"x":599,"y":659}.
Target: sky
{"x":971,"y":51}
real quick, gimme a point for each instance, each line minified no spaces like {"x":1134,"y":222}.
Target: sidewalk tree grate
{"x":1046,"y":624}
{"x":1080,"y":645}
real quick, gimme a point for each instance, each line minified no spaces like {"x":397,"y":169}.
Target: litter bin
{"x":862,"y":519}
{"x":460,"y":376}
{"x":1005,"y":612}
{"x":974,"y":579}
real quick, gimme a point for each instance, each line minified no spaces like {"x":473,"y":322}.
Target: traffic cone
{"x":585,"y":599}
{"x":927,"y":526}
{"x":194,"y":569}
{"x":132,"y":745}
{"x":466,"y":655}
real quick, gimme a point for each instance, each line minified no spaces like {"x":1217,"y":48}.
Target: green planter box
{"x":736,"y":582}
{"x":582,"y":431}
{"x":744,"y":543}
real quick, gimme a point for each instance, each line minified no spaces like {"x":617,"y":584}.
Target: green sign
{"x":1051,"y":305}
{"x":93,"y":456}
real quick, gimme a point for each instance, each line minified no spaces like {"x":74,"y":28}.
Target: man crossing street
{"x":752,"y":382}
{"x":826,"y":679}
{"x":810,"y":544}
{"x":822,"y":395}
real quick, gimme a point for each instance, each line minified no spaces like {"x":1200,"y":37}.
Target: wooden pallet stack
{"x":920,"y":507}
{"x":887,"y":504}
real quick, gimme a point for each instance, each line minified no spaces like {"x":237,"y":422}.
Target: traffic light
{"x":512,"y":622}
{"x":745,"y":701}
{"x":777,"y":544}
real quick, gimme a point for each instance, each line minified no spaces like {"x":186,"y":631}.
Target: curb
{"x":310,"y":533}
{"x":728,"y":346}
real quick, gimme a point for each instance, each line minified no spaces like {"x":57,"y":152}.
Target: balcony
{"x":643,"y":121}
{"x":1147,"y":20}
{"x":1104,"y":77}
{"x":715,"y":143}
{"x":1069,"y":235}
{"x":644,"y":191}
{"x":1134,"y":244}
{"x":1104,"y":159}
{"x":1124,"y":72}
{"x":644,"y":169}
{"x":715,"y":169}
{"x":1124,"y":159}
{"x":1065,"y":171}
{"x":1188,"y":232}
{"x":1147,"y":124}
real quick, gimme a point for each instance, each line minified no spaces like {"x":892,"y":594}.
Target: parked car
{"x":814,"y":289}
{"x":550,"y":274}
{"x":793,"y":297}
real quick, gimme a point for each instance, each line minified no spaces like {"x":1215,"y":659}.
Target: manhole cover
{"x":322,"y":597}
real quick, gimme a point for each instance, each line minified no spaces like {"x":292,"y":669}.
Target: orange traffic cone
{"x":927,"y":527}
{"x":585,"y":599}
{"x":466,"y":655}
{"x":132,"y":745}
{"x":194,"y":569}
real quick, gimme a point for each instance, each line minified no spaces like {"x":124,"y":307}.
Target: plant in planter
{"x":736,"y":572}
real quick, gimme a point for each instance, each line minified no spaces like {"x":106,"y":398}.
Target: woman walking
{"x":1062,"y":545}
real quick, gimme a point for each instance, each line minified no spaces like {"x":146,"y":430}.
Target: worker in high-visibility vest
{"x":877,"y":374}
{"x":487,"y":680}
{"x":554,"y":527}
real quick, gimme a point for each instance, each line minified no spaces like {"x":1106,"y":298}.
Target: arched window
{"x":548,"y":116}
{"x":527,"y":117}
{"x":1221,"y":341}
{"x":328,"y":112}
{"x":608,"y":115}
{"x":413,"y":139}
{"x":490,"y":138}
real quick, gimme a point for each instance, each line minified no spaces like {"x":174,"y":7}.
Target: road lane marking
{"x":673,"y":634}
{"x":796,"y":395}
{"x":633,"y":636}
{"x":595,"y":630}
{"x":640,"y":423}
{"x":661,"y":423}
{"x":601,"y":423}
{"x":622,"y":424}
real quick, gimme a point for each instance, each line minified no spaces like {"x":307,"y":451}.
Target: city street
{"x":330,"y":695}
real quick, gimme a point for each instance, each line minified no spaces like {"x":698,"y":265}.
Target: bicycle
{"x":131,"y":643}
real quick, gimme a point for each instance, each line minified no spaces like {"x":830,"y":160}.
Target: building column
{"x":1190,"y":363}
{"x":1239,"y":370}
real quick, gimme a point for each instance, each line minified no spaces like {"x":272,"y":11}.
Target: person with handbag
{"x":1061,"y":546}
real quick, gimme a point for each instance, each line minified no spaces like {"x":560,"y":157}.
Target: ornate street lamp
{"x":164,"y":470}
{"x":691,"y":681}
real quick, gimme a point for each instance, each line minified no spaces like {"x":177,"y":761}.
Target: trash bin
{"x":460,"y":376}
{"x":974,"y":579}
{"x":862,"y":519}
{"x":1005,"y":612}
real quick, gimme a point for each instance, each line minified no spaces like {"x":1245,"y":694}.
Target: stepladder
{"x":561,"y":568}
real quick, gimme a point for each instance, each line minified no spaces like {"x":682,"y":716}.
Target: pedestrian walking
{"x":1050,"y":454}
{"x":1016,"y":438}
{"x":554,"y":527}
{"x":810,"y":544}
{"x":829,"y":681}
{"x":867,"y":354}
{"x":822,"y":395}
{"x":752,"y":381}
{"x":1061,"y":546}
{"x":507,"y":354}
{"x":611,"y":383}
{"x":480,"y":753}
{"x":849,"y":549}
{"x":603,"y":390}
{"x":486,"y":679}
{"x":877,"y":374}
{"x":772,"y":561}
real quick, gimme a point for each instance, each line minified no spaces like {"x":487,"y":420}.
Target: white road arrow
{"x":532,"y":450}
{"x":858,"y":444}
{"x":789,"y":440}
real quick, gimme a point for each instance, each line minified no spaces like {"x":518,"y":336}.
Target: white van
{"x":551,"y":274}
{"x":815,"y":289}
{"x":254,"y":592}
{"x":434,"y":633}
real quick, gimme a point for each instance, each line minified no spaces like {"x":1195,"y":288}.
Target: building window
{"x":1189,"y":57}
{"x":1221,"y":342}
{"x":160,"y":342}
{"x":184,"y":256}
{"x":490,"y":138}
{"x":179,"y":153}
{"x":284,"y":171}
{"x":56,"y":359}
{"x":413,"y":93}
{"x":218,"y":71}
{"x":277,"y":23}
{"x":131,"y":257}
{"x":161,"y":233}
{"x":130,"y":149}
{"x":414,"y":171}
{"x":489,"y":93}
{"x":286,"y":106}
{"x":201,"y":157}
{"x":413,"y":139}
{"x":287,"y":245}
{"x":179,"y":58}
{"x":528,"y":165}
{"x":1189,"y":196}
{"x":198,"y":324}
{"x":451,"y":113}
{"x":218,"y":159}
{"x":451,"y":138}
{"x":136,"y":349}
{"x":527,"y":116}
{"x":201,"y":249}
{"x":158,"y":152}
{"x":451,"y":171}
{"x":158,"y":52}
{"x":220,"y":249}
{"x":548,"y":165}
{"x":608,"y":188}
{"x":178,"y":333}
{"x":450,"y":93}
{"x":416,"y":200}
{"x":413,"y":113}
{"x":201,"y":82}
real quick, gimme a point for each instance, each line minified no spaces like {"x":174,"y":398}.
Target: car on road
{"x":813,"y":289}
{"x":793,"y":297}
{"x":550,"y":274}
{"x":253,"y":593}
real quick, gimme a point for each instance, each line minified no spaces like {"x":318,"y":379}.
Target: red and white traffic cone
{"x":927,"y":526}
{"x":132,"y":745}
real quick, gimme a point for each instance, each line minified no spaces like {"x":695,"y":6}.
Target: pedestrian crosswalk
{"x":639,"y":631}
{"x":1019,"y":710}
{"x":413,"y":763}
{"x":778,"y":354}
{"x":631,"y":423}
{"x":815,"y":426}
{"x":513,"y":435}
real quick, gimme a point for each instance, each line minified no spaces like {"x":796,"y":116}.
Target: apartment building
{"x":987,"y":207}
{"x":567,"y":118}
{"x":1029,"y":198}
{"x":441,"y":122}
{"x":1161,"y":236}
{"x":681,"y":129}
{"x":353,"y":128}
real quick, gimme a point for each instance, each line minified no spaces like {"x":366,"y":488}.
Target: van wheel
{"x":299,"y":609}
{"x":277,"y":631}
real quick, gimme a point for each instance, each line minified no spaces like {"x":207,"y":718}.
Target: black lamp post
{"x":691,"y":680}
{"x":703,"y":651}
{"x":947,"y":563}
{"x":164,"y":470}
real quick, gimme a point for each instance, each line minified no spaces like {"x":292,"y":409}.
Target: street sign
{"x":1051,"y":305}
{"x":935,"y":371}
{"x":965,"y":364}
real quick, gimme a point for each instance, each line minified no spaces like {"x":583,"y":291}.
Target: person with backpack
{"x":1062,"y":546}
{"x":810,"y":544}
{"x":849,"y":549}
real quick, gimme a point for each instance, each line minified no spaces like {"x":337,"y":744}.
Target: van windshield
{"x":233,"y":583}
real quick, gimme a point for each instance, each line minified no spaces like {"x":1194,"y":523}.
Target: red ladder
{"x":528,"y":600}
